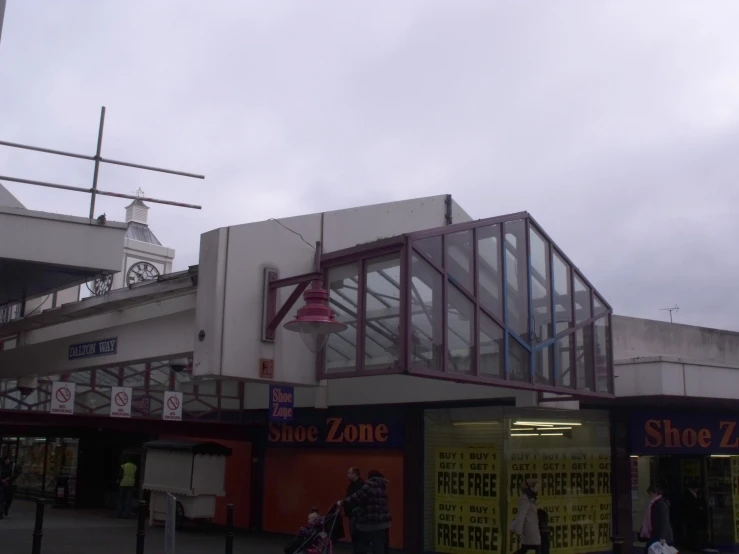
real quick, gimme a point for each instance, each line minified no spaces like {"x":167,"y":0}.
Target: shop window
{"x":382,"y":312}
{"x":492,"y":450}
{"x":343,"y":287}
{"x":459,"y":258}
{"x":602,"y":355}
{"x":541,"y":294}
{"x":519,"y":359}
{"x":492,"y":348}
{"x":488,"y":270}
{"x":460,"y":321}
{"x":584,"y":362}
{"x":426,"y":321}
{"x":516,"y":277}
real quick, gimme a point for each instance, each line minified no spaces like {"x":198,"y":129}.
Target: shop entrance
{"x":700,"y":494}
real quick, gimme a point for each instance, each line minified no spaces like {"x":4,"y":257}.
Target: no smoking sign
{"x":120,"y":402}
{"x":62,"y":398}
{"x":172,"y":409}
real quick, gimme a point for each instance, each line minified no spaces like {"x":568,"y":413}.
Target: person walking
{"x":371,"y":511}
{"x":7,"y":486}
{"x":355,"y":483}
{"x":656,"y":526}
{"x":526,"y":524}
{"x":126,"y":483}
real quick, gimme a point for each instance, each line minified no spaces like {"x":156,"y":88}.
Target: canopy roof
{"x":493,"y":300}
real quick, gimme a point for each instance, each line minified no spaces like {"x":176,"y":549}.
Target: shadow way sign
{"x":62,"y":398}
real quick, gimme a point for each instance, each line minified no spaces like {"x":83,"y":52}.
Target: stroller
{"x":322,"y":540}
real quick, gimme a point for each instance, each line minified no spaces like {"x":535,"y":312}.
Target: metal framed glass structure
{"x":491,"y":301}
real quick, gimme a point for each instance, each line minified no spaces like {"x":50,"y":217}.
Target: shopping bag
{"x":657,"y":548}
{"x":667,"y":549}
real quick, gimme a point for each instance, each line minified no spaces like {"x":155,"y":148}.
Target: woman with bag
{"x":656,"y":527}
{"x":526,"y":524}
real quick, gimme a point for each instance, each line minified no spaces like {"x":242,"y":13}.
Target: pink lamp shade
{"x":315,"y":321}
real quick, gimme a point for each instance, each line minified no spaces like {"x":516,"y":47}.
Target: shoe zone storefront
{"x":693,"y":456}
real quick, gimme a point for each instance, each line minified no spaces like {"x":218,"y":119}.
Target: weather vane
{"x":139,"y":192}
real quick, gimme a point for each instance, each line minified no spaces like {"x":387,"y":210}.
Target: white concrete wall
{"x":62,"y":240}
{"x":676,"y":377}
{"x":155,"y":331}
{"x":232,"y":262}
{"x":634,"y":337}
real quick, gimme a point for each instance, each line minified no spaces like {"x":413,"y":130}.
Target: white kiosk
{"x":193,"y":472}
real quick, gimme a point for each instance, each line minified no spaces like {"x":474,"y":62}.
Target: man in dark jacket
{"x":7,"y":486}
{"x":355,"y":483}
{"x":371,"y":511}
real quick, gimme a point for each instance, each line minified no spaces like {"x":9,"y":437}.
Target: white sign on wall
{"x":120,"y":402}
{"x":172,"y":409}
{"x":62,"y":398}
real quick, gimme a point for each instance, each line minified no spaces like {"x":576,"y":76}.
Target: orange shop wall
{"x":237,"y":482}
{"x":296,"y":480}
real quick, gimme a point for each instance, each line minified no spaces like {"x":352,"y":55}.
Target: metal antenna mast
{"x":93,"y":191}
{"x":675,"y":308}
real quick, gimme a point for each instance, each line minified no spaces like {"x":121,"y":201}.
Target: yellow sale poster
{"x":467,"y":500}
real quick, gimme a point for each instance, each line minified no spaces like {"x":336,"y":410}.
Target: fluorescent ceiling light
{"x":633,"y":456}
{"x":552,"y":434}
{"x":471,"y":423}
{"x":554,"y":428}
{"x":524,"y":434}
{"x":720,"y":456}
{"x":517,"y":429}
{"x":547,"y":423}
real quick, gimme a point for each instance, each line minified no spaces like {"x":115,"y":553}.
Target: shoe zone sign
{"x":103,"y":347}
{"x":281,"y":403}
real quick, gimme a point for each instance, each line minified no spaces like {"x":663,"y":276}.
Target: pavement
{"x":68,"y":531}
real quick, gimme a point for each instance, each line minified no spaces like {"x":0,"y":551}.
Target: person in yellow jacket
{"x":126,"y":483}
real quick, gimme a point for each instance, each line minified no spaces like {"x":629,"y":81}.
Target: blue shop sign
{"x":281,"y":403}
{"x":684,"y":433}
{"x":104,"y":347}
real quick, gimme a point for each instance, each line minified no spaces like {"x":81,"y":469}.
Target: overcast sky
{"x":616,"y":124}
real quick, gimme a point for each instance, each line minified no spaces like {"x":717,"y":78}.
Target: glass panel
{"x":134,"y":375}
{"x":543,"y":369}
{"x":208,"y":387}
{"x":517,"y":287}
{"x":584,"y":358}
{"x":598,"y":305}
{"x":460,"y":322}
{"x":488,"y":269}
{"x":341,"y":348}
{"x":582,"y":300}
{"x":602,"y":356}
{"x":382,"y":311}
{"x":430,"y":248}
{"x":106,"y":377}
{"x":541,"y":295}
{"x":159,"y":378}
{"x":80,"y":377}
{"x":426,"y":305}
{"x":565,"y":349}
{"x":562,"y":294}
{"x":229,"y":388}
{"x":492,"y":345}
{"x":459,"y":259}
{"x":518,"y":362}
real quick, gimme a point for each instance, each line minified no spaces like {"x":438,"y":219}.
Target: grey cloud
{"x":614,"y":124}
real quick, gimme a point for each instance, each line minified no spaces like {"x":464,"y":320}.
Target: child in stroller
{"x":317,"y":535}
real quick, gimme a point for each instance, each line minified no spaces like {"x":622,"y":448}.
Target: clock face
{"x":101,"y":285}
{"x":142,"y":271}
